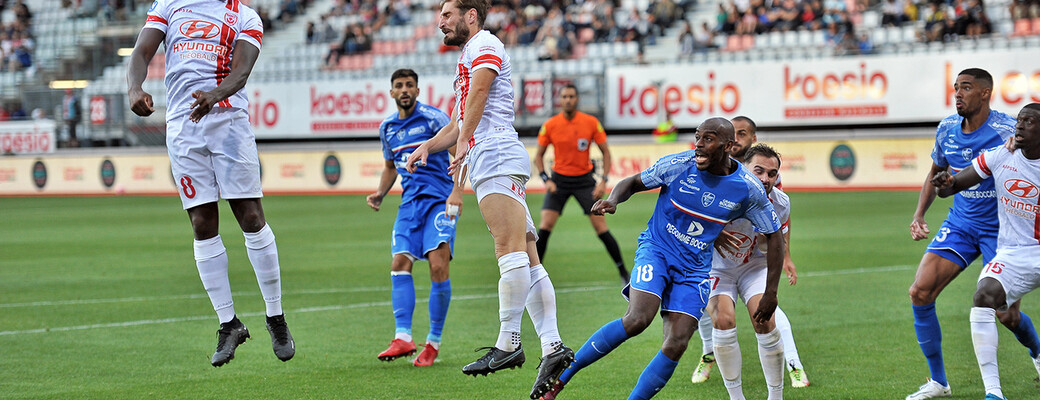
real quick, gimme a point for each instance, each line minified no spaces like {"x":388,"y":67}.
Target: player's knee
{"x":765,"y":327}
{"x":1010,"y":319}
{"x":674,"y":347}
{"x":921,"y":296}
{"x":724,"y":322}
{"x":636,"y":323}
{"x":988,"y":298}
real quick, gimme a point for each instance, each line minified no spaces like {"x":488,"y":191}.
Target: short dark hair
{"x":754,"y":127}
{"x":762,"y":149}
{"x":404,"y":73}
{"x":980,"y":75}
{"x":571,"y":86}
{"x":481,"y":6}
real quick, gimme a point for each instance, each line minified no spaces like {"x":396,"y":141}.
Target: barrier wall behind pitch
{"x":807,"y":165}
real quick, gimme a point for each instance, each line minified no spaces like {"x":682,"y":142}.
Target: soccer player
{"x":970,"y":228}
{"x":742,"y":271}
{"x":1014,"y":271}
{"x":571,"y":133}
{"x":701,"y":191}
{"x":488,"y":149}
{"x":745,"y":136}
{"x":211,"y":47}
{"x":423,"y":230}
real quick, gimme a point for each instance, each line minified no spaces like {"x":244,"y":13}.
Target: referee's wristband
{"x":544,"y":176}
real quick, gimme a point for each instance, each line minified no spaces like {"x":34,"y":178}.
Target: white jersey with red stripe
{"x":484,"y":50}
{"x":200,"y":38}
{"x":1016,"y":179}
{"x":750,"y":247}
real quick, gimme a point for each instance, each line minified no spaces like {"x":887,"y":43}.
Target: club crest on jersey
{"x":966,"y":153}
{"x":1021,"y":188}
{"x":197,"y":29}
{"x":707,"y":199}
{"x":583,"y":144}
{"x":230,"y":18}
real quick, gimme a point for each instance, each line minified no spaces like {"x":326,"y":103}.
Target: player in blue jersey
{"x":970,"y":228}
{"x":701,"y":191}
{"x":424,"y":229}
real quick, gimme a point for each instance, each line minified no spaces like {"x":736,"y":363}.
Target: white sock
{"x":727,"y":356}
{"x":263,"y":254}
{"x":704,"y":325}
{"x":790,"y":350}
{"x":211,"y":260}
{"x":984,"y":338}
{"x":403,"y":336}
{"x":771,"y":354}
{"x":435,"y":345}
{"x":541,"y":307}
{"x":513,"y":286}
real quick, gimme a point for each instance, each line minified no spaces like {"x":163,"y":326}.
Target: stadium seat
{"x":747,"y":41}
{"x":761,"y":41}
{"x":790,"y":39}
{"x":878,"y":36}
{"x":732,"y":43}
{"x":1035,"y":26}
{"x":871,"y":20}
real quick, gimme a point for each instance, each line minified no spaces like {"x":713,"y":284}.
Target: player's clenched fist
{"x":141,"y":103}
{"x":604,"y":207}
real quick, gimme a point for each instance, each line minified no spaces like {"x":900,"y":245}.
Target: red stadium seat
{"x":1036,"y":26}
{"x":1023,"y":27}
{"x":747,"y":42}
{"x":732,"y":43}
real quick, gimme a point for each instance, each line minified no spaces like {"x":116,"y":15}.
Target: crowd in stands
{"x":16,"y":39}
{"x":556,"y":27}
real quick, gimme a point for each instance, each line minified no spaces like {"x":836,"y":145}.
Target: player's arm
{"x":539,"y":164}
{"x":774,"y":268}
{"x":386,"y":181}
{"x":918,"y":226}
{"x":242,"y":60}
{"x":137,"y":70}
{"x":789,"y":268}
{"x":601,"y":187}
{"x":622,"y":192}
{"x":948,"y":185}
{"x":444,"y":140}
{"x":476,"y":100}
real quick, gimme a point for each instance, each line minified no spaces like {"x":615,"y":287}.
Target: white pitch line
{"x":364,"y":289}
{"x":257,"y":314}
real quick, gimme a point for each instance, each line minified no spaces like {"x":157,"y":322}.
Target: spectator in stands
{"x":22,"y":13}
{"x":400,"y":12}
{"x":866,"y":46}
{"x":976,"y":22}
{"x":4,"y":114}
{"x":323,"y":31}
{"x":71,"y":114}
{"x":18,"y":113}
{"x":687,"y":42}
{"x":666,"y":131}
{"x":706,"y":37}
{"x":934,"y":21}
{"x":311,"y":34}
{"x":892,"y":13}
{"x":22,"y":49}
{"x":287,"y":10}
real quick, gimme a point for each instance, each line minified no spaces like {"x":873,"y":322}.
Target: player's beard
{"x":403,"y":106}
{"x":461,"y":32}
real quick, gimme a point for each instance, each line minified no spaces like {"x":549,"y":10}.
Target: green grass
{"x":61,"y":258}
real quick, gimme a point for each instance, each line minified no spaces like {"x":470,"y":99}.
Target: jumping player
{"x":211,"y":47}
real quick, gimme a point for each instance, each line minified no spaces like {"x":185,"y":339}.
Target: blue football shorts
{"x":656,"y":273}
{"x":421,"y":227}
{"x":962,"y":244}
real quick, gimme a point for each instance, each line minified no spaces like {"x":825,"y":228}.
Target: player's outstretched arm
{"x":774,"y":267}
{"x":949,"y":185}
{"x":386,"y":181}
{"x":137,"y":70}
{"x":242,"y":60}
{"x":444,"y":139}
{"x":622,"y":192}
{"x":918,"y":226}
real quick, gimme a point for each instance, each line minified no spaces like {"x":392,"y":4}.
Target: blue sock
{"x":654,"y":377}
{"x":929,"y":336}
{"x":1026,"y":334}
{"x":402,"y":297}
{"x":607,"y":338}
{"x":440,"y":297}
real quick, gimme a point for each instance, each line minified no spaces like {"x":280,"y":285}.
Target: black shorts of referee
{"x":581,"y":187}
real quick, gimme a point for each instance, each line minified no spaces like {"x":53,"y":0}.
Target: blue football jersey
{"x":401,"y":137}
{"x":955,"y":149}
{"x":693,"y":207}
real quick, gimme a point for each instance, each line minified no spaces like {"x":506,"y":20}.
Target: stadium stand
{"x":560,"y":38}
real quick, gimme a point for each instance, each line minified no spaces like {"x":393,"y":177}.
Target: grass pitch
{"x":99,"y":298}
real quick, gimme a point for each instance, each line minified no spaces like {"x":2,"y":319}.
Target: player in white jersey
{"x":744,"y":137}
{"x":741,"y":271}
{"x":1015,"y":270}
{"x":487,"y":147}
{"x":211,"y":46}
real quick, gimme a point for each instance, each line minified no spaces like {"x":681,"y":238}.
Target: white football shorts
{"x":509,"y":186}
{"x":1017,"y":269}
{"x":745,"y":281}
{"x":215,"y":158}
{"x":498,"y":156}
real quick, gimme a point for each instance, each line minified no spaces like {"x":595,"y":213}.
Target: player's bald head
{"x":1032,"y":106}
{"x":721,"y":126}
